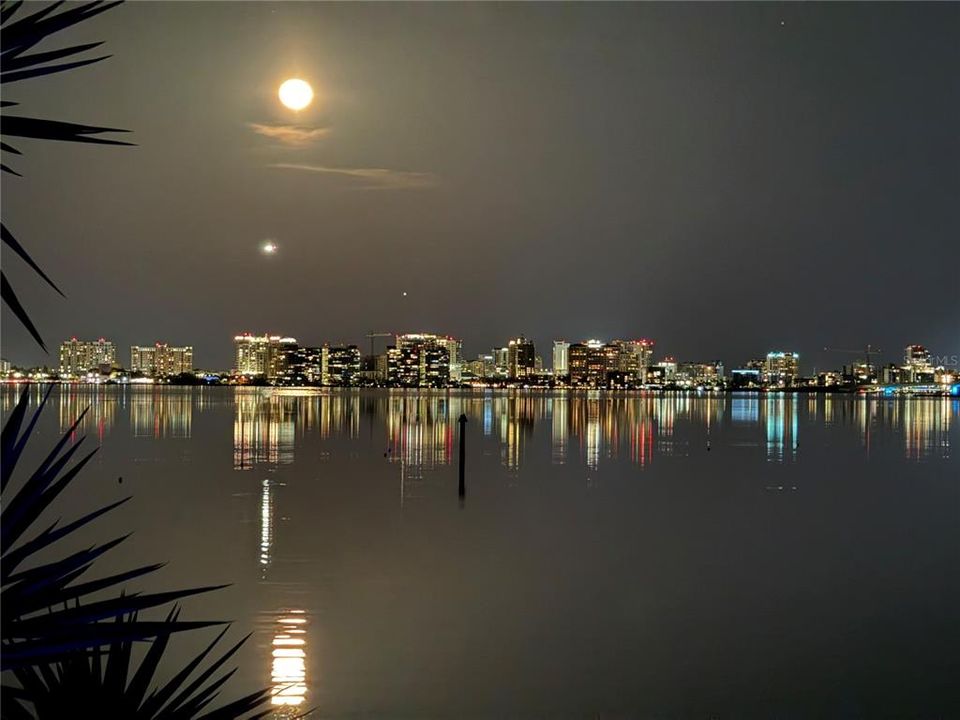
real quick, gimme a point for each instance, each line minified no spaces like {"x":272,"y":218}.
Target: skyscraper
{"x":262,"y":355}
{"x":781,"y":368}
{"x":422,"y":360}
{"x":437,"y":359}
{"x":561,"y":350}
{"x":161,"y":360}
{"x":916,"y":360}
{"x":521,"y":358}
{"x":588,"y":363}
{"x":252,"y":353}
{"x":632,"y":358}
{"x":916,"y":356}
{"x":80,"y":356}
{"x":340,"y":365}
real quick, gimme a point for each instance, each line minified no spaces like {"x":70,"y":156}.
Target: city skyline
{"x":726,"y":176}
{"x":430,"y":360}
{"x":824,"y":357}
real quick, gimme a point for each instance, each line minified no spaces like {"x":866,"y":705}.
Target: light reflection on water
{"x":421,"y":428}
{"x":269,"y":442}
{"x":288,"y":665}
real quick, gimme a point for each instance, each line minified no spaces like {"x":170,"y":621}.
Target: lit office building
{"x":667,"y":369}
{"x":454,"y":351}
{"x":252,"y":352}
{"x":631,"y":358}
{"x":80,"y":356}
{"x":298,"y":365}
{"x":263,"y":355}
{"x":916,"y":356}
{"x":521,"y":358}
{"x":482,"y":367}
{"x":161,"y":360}
{"x":561,"y":354}
{"x":340,"y":365}
{"x":917,"y":367}
{"x":403,"y":366}
{"x":588,"y":363}
{"x":501,"y":361}
{"x":693,"y":373}
{"x":423,"y":360}
{"x":781,"y":368}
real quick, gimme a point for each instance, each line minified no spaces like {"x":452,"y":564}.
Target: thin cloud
{"x":372,"y":178}
{"x":290,"y":134}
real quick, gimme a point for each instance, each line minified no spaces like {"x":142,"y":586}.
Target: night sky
{"x":726,"y":179}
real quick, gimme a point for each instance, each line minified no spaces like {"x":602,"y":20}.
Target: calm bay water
{"x":616,"y":556}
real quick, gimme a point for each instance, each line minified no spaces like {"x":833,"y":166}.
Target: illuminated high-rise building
{"x":340,"y":365}
{"x":252,"y":352}
{"x":695,"y":373}
{"x":263,"y":355}
{"x":916,"y":356}
{"x":299,"y":365}
{"x":161,"y":360}
{"x":916,"y":364}
{"x":561,"y":353}
{"x":501,"y":361}
{"x":423,"y":360}
{"x":667,"y":369}
{"x":80,"y":356}
{"x":781,"y":368}
{"x":483,"y":367}
{"x":588,"y":363}
{"x":632,"y":358}
{"x":403,"y":366}
{"x":521,"y":358}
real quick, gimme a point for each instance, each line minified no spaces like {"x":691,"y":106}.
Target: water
{"x":615,"y":556}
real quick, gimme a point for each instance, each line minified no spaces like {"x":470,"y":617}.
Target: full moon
{"x":296,"y":94}
{"x":269,"y":248}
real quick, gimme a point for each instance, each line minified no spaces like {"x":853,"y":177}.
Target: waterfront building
{"x":631,"y":358}
{"x":668,"y":369}
{"x":781,"y":369}
{"x":381,"y":368}
{"x":501,"y":361}
{"x":917,"y":366}
{"x":588,"y":363}
{"x":746,"y":378}
{"x":262,"y":355}
{"x":916,"y":356}
{"x":340,"y":365}
{"x":78,"y":357}
{"x":403,"y":366}
{"x":829,"y":378}
{"x":521,"y":358}
{"x":423,"y":360}
{"x":695,"y":374}
{"x":161,"y":360}
{"x":298,"y":365}
{"x":561,"y":351}
{"x":483,"y":367}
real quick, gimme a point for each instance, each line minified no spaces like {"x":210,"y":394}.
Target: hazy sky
{"x":726,"y":179}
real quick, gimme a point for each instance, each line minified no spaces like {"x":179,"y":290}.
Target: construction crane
{"x":372,"y":336}
{"x":865,"y":353}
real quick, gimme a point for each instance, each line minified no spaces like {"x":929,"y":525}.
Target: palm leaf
{"x":107,"y":681}
{"x":56,"y":130}
{"x":19,"y":33}
{"x":10,"y":298}
{"x":47,"y":610}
